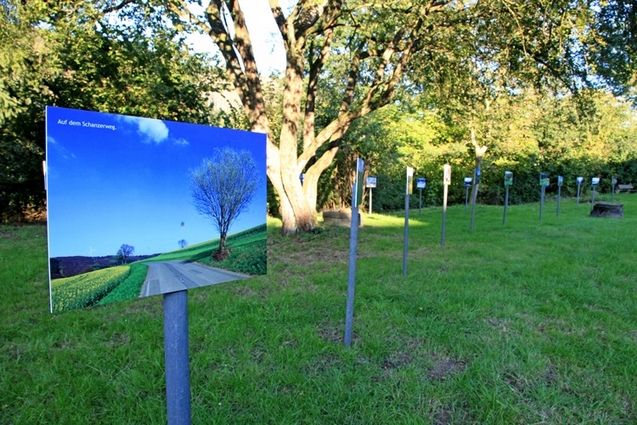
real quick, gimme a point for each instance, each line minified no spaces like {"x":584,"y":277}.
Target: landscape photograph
{"x":141,"y":207}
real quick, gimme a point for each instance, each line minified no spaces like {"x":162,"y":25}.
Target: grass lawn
{"x":522,"y":323}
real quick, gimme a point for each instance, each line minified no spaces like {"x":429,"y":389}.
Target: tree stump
{"x":342,"y":218}
{"x":608,"y":210}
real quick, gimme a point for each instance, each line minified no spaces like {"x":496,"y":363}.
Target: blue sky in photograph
{"x":115,"y":179}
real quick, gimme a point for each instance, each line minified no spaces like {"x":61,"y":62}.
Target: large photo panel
{"x":140,"y":206}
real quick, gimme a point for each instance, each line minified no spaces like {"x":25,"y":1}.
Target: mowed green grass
{"x":528,"y":322}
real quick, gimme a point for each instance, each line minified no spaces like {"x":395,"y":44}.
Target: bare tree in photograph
{"x":222,"y":189}
{"x":125,"y":251}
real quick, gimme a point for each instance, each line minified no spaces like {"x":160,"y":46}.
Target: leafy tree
{"x":527,"y":133}
{"x":614,"y":51}
{"x":364,"y":53}
{"x":124,"y":253}
{"x":106,"y":67}
{"x":222,"y":189}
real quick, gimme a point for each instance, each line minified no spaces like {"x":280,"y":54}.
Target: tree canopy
{"x":68,"y":54}
{"x":363,"y":54}
{"x":344,"y":60}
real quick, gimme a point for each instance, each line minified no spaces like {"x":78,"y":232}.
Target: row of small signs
{"x":544,"y":180}
{"x":421,"y":182}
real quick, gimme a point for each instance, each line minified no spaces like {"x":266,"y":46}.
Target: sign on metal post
{"x":544,"y":182}
{"x":579,"y":181}
{"x":612,"y":192}
{"x":408,"y":191}
{"x":99,"y":201}
{"x":560,"y":181}
{"x":476,"y":174}
{"x":467,"y":184}
{"x":508,"y":182}
{"x":446,"y":178}
{"x":117,"y":214}
{"x":371,"y":184}
{"x":357,"y":197}
{"x":594,"y":185}
{"x":421,"y":183}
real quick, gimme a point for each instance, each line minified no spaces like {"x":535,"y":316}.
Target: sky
{"x":264,"y":34}
{"x":115,"y":179}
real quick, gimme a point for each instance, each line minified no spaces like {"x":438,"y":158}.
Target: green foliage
{"x":614,"y":51}
{"x":71,"y":55}
{"x":588,"y":135}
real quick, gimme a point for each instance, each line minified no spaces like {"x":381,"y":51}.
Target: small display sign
{"x":478,"y":173}
{"x":447,"y":174}
{"x":467,"y":181}
{"x":614,"y":181}
{"x":371,"y":182}
{"x":560,"y":180}
{"x":421,"y":183}
{"x":410,"y":181}
{"x":544,"y":179}
{"x":595,"y":181}
{"x":579,"y":180}
{"x":508,"y":178}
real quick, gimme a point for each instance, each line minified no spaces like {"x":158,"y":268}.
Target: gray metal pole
{"x":370,"y":201}
{"x":351,"y":277}
{"x":466,"y":198}
{"x":506,"y":204}
{"x":579,"y":187}
{"x":559,"y":198}
{"x":406,"y":237}
{"x":420,"y":204}
{"x":444,"y":214}
{"x":541,"y":201}
{"x":176,"y":357}
{"x":473,"y":210}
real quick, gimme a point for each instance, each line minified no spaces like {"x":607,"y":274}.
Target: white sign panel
{"x":447,"y":174}
{"x":410,"y":181}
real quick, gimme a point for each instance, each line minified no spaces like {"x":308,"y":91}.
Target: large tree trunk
{"x":312,"y":175}
{"x":304,"y":215}
{"x":308,"y":23}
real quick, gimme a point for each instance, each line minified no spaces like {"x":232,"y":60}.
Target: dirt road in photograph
{"x":171,"y":276}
